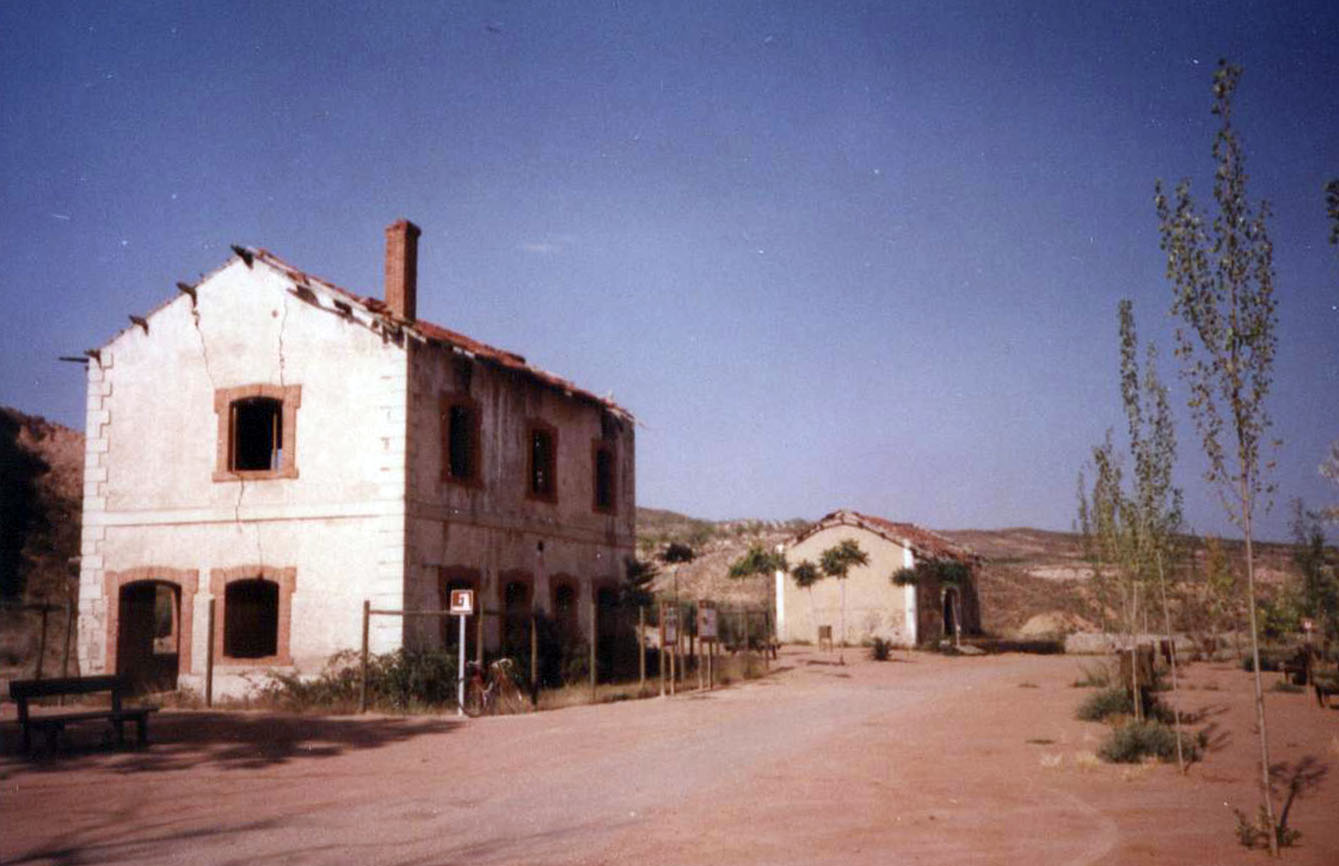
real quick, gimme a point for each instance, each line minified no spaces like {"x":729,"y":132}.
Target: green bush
{"x":1268,"y":662}
{"x":1103,"y":705}
{"x":398,"y":681}
{"x":1133,"y":741}
{"x":1114,"y":702}
{"x":1093,"y":676}
{"x":880,"y":649}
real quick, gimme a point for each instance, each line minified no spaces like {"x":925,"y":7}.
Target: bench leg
{"x":142,"y":728}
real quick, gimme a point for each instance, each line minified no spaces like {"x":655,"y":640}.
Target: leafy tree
{"x":1332,"y":209}
{"x":678,"y":552}
{"x":763,"y":563}
{"x":1222,"y":278}
{"x":836,"y":562}
{"x":638,"y":579}
{"x":1318,"y":593}
{"x":806,"y":574}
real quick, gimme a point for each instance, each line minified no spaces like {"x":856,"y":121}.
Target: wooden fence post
{"x":534,"y":659}
{"x":594,"y":636}
{"x":641,"y":648}
{"x":479,"y":637}
{"x":209,"y":657}
{"x":362,"y":679}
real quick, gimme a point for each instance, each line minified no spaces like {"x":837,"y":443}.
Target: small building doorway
{"x":951,"y":623}
{"x":148,"y":640}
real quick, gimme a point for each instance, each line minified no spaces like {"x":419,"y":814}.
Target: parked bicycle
{"x":494,"y":691}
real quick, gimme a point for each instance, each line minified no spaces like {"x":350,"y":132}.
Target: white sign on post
{"x":462,"y":602}
{"x":669,"y":627}
{"x":706,"y":623}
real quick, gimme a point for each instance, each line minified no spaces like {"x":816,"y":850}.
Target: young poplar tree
{"x":1222,"y":278}
{"x":1153,"y":512}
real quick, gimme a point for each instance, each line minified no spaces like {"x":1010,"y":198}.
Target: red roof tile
{"x":922,"y":542}
{"x":434,"y":333}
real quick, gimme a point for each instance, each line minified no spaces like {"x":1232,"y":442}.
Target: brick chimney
{"x":402,"y":269}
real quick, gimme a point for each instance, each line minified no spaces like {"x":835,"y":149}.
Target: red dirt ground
{"x":925,"y":759}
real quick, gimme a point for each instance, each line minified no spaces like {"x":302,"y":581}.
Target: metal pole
{"x":362,"y":679}
{"x":209,"y":657}
{"x":534,"y":659}
{"x":594,"y":636}
{"x":65,"y":652}
{"x":641,"y":647}
{"x":748,"y":647}
{"x":41,"y":643}
{"x":460,"y":667}
{"x":660,"y":653}
{"x":479,"y":635}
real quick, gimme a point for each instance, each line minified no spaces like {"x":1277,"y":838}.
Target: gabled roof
{"x":923,"y":543}
{"x":432,"y":333}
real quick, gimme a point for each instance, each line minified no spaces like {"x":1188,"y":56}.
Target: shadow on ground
{"x":237,"y":740}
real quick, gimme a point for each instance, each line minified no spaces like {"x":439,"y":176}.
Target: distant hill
{"x":1033,"y":582}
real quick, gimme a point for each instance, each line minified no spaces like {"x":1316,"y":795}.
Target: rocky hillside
{"x":41,"y":489}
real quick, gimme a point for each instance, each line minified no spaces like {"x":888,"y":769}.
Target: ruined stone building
{"x":875,"y":606}
{"x":289,"y":449}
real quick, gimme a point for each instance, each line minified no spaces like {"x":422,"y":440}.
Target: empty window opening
{"x":257,"y":435}
{"x":251,"y":619}
{"x":604,"y":478}
{"x":542,"y":463}
{"x":462,"y":443}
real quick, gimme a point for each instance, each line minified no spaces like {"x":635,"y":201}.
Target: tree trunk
{"x":1171,"y":655}
{"x":1259,"y":687}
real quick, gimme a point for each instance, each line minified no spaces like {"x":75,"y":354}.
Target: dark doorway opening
{"x":516,"y":610}
{"x":950,"y":613}
{"x":148,"y":639}
{"x":607,"y":637}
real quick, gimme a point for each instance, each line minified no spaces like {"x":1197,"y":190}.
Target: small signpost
{"x":462,"y":605}
{"x":669,"y":637}
{"x":706,"y":633}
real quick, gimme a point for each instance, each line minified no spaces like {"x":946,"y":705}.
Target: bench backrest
{"x":24,"y":689}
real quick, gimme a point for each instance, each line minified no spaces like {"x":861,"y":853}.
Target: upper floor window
{"x":461,"y":458}
{"x":542,"y":445}
{"x":603,"y":476}
{"x":257,"y":433}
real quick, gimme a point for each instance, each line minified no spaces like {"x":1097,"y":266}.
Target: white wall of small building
{"x":874,"y":606}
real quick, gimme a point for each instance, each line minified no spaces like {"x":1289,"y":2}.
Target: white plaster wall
{"x":874,"y":606}
{"x":151,"y":499}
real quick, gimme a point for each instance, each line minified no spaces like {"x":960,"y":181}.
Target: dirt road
{"x":925,"y":759}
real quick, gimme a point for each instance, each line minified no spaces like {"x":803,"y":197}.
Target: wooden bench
{"x":51,"y":724}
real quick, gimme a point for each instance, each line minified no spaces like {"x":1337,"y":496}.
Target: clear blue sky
{"x":830,"y":254}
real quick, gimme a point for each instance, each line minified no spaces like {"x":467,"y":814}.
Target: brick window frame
{"x":532,"y":428}
{"x":598,"y":447}
{"x":290,"y":398}
{"x":286,"y":579}
{"x":186,"y":580}
{"x":446,"y":402}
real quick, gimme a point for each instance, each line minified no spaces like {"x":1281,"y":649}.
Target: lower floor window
{"x":251,"y":619}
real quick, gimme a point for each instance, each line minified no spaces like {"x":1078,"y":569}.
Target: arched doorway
{"x":148,"y":639}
